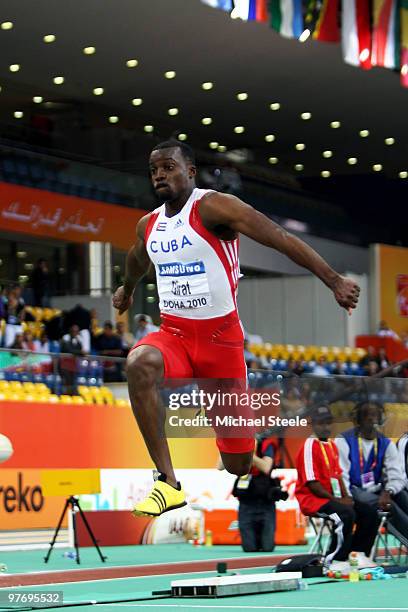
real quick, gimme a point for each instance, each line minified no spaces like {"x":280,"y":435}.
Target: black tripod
{"x":73,"y":503}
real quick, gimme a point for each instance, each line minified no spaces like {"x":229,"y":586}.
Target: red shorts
{"x":203,"y":349}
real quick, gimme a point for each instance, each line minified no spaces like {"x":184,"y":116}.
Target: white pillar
{"x":100,"y":264}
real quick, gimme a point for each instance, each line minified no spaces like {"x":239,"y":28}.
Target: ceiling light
{"x":21,"y":254}
{"x":173,"y":112}
{"x":98,"y":91}
{"x":206,"y":121}
{"x":335,"y":124}
{"x":182,"y":136}
{"x":274,"y":106}
{"x":132,"y":63}
{"x":222,"y":148}
{"x":38,"y":99}
{"x":325,"y":173}
{"x":18,"y":114}
{"x":213,"y":145}
{"x":170,"y":74}
{"x":273,"y":160}
{"x":304,"y":35}
{"x":404,"y":69}
{"x":137,"y":101}
{"x":352,"y":161}
{"x":207,"y":85}
{"x":14,"y":67}
{"x":306,"y":116}
{"x":89,"y":50}
{"x":0,"y":87}
{"x":299,"y":167}
{"x":403,"y":174}
{"x":239,"y":129}
{"x":364,"y":133}
{"x":242,"y":96}
{"x":327,"y":154}
{"x":148,"y":129}
{"x":377,"y":167}
{"x":300,"y":146}
{"x":270,"y":137}
{"x":7,"y":25}
{"x":58,"y":80}
{"x":49,"y":38}
{"x":113,"y":119}
{"x":389,"y":141}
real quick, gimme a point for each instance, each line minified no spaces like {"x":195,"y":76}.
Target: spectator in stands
{"x":14,"y":315}
{"x":42,"y":345}
{"x":404,"y":339}
{"x":17,"y":342}
{"x":126,"y":338}
{"x":82,"y":317}
{"x":372,"y":368}
{"x":384,"y":330}
{"x":108,"y":343}
{"x":40,"y":281}
{"x":70,"y":343}
{"x":320,"y":489}
{"x":369,"y":356}
{"x":321,"y":368}
{"x":294,"y":367}
{"x":373,"y":475}
{"x":337,"y":368}
{"x":144,"y":326}
{"x":382,"y":359}
{"x":28,"y":341}
{"x":402,"y":446}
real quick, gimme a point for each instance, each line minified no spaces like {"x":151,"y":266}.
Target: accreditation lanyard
{"x":324,"y":452}
{"x":360,"y":450}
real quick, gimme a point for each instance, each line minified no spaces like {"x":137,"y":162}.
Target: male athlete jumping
{"x":192,"y":240}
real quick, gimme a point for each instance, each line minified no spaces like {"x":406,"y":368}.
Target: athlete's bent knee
{"x":144,"y":366}
{"x":236,"y":463}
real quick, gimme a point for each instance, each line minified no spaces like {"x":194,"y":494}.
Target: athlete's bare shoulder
{"x":219,"y":209}
{"x":141,"y":226}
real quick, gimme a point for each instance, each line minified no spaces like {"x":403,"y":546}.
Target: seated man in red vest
{"x":320,"y":489}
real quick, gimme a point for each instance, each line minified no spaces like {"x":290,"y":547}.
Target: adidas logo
{"x":179,"y":224}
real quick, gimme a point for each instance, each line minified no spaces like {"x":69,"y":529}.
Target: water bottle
{"x":208,"y":538}
{"x":354,"y":575}
{"x":69,"y":555}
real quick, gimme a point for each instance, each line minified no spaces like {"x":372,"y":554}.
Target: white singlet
{"x":197,"y":273}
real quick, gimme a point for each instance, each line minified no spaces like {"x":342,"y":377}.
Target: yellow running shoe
{"x":162,"y":498}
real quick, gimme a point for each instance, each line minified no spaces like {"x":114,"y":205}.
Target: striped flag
{"x":286,"y":17}
{"x":327,"y":27}
{"x":404,"y":42}
{"x":356,"y":33}
{"x":224,"y":5}
{"x":385,"y":49}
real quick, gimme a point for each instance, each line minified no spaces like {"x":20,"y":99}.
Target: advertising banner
{"x":43,"y":213}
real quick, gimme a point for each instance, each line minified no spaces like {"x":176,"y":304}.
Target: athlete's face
{"x":171,"y":173}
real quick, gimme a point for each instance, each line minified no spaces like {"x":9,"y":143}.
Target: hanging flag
{"x":404,"y":43}
{"x":241,"y":9}
{"x":356,"y":33}
{"x":261,"y":10}
{"x":286,"y":17}
{"x":327,"y":27}
{"x":385,"y":48}
{"x":224,"y":5}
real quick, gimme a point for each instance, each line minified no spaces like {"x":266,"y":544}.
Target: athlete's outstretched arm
{"x":219,"y":210}
{"x":137,"y":264}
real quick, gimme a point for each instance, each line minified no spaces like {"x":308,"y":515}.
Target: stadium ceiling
{"x":204,"y":45}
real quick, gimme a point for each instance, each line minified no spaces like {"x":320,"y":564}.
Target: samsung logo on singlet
{"x":179,"y":269}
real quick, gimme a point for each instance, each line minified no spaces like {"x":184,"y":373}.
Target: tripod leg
{"x":91,"y":534}
{"x":47,"y":556}
{"x":72,"y":501}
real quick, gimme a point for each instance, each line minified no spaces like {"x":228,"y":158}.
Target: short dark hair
{"x":186,"y":151}
{"x":108,"y":324}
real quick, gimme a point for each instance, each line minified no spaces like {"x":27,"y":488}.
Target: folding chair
{"x":320,"y":544}
{"x":392,"y":554}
